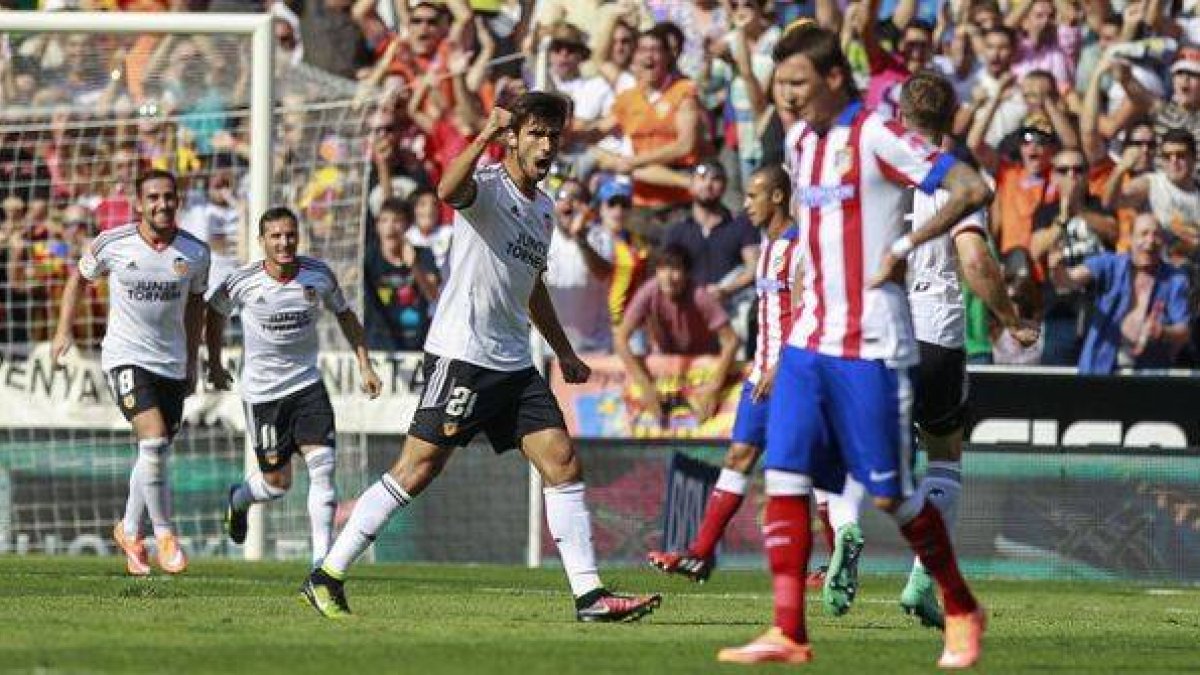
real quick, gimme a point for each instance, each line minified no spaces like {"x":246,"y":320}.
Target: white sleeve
{"x":479,"y":211}
{"x":904,"y":157}
{"x":199,"y":282}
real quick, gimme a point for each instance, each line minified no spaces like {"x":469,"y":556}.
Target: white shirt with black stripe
{"x":500,"y":246}
{"x":934,"y":289}
{"x":279,"y":319}
{"x":148,"y":292}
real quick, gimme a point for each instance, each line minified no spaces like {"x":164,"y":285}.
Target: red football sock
{"x":787,"y":536}
{"x":721,"y":507}
{"x":826,"y":528}
{"x":927,"y":535}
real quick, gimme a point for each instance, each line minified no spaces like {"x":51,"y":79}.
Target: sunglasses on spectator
{"x":569,"y":195}
{"x":1036,"y":137}
{"x":1176,"y":154}
{"x":1064,"y":169}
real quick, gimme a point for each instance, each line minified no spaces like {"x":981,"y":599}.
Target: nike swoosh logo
{"x":877,"y":476}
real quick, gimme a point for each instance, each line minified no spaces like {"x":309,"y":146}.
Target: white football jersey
{"x":500,"y":246}
{"x":934,"y":289}
{"x":148,"y":292}
{"x":279,"y":321}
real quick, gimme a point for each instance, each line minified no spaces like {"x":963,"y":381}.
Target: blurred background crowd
{"x":1084,"y":113}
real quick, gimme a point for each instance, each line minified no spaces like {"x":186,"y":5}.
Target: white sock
{"x":370,"y":514}
{"x":733,"y":482}
{"x":571,"y":526}
{"x":255,"y":490}
{"x":322,"y":500}
{"x":942,"y":486}
{"x":845,"y":508}
{"x":152,"y":474}
{"x":135,"y":504}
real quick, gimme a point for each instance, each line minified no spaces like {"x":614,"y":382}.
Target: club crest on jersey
{"x":128,"y":402}
{"x":272,"y":457}
{"x":449,"y":428}
{"x":310,"y":295}
{"x":180,"y":266}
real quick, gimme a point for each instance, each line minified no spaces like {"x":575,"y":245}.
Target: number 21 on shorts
{"x":461,"y":403}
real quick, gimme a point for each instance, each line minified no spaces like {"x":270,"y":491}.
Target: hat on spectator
{"x":710,"y":167}
{"x":567,"y":35}
{"x":1039,"y":124}
{"x":1187,"y":61}
{"x":613,"y":188}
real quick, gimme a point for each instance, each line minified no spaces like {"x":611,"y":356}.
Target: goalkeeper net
{"x":82,"y":115}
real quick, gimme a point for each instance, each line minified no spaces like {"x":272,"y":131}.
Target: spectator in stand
{"x":592,"y":96}
{"x":1045,"y":44}
{"x":1171,"y":193}
{"x":333,"y":39}
{"x":1141,"y":312}
{"x":429,"y":232}
{"x":399,"y":289}
{"x":1183,"y":110}
{"x":216,"y":220}
{"x":1026,"y":295}
{"x":722,"y":249}
{"x":740,"y":68}
{"x":579,"y":296}
{"x":617,"y":259}
{"x":116,"y":207}
{"x":613,"y":55}
{"x":588,"y":16}
{"x":450,"y":124}
{"x":660,"y":118}
{"x":703,"y":24}
{"x":1021,"y":187}
{"x":995,"y":86}
{"x":1075,"y":225}
{"x":679,"y":318}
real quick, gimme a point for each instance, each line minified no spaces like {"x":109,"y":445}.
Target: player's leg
{"x":749,"y":437}
{"x":841,"y":577}
{"x":269,"y":425}
{"x":446,"y":417}
{"x":939,"y":411}
{"x":541,"y":433}
{"x":870,"y":409}
{"x":795,"y":443}
{"x":314,"y":431}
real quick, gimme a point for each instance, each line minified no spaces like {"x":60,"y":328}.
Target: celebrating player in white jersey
{"x":287,"y":406}
{"x":768,"y":197}
{"x":840,"y":401}
{"x":927,"y":105}
{"x":157,"y":278}
{"x":478,"y":366}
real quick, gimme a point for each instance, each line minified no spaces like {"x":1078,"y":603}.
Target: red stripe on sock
{"x":928,"y":538}
{"x":721,"y":507}
{"x":787,"y":536}
{"x":826,"y":528}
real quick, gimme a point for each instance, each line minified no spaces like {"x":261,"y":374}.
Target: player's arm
{"x":541,"y":312}
{"x":64,"y":333}
{"x":219,"y":307}
{"x":457,"y":187}
{"x":986,"y":280}
{"x":352,"y":330}
{"x":967,"y":193}
{"x":193,"y":325}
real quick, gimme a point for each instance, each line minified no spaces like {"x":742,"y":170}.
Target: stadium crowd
{"x":1084,"y":113}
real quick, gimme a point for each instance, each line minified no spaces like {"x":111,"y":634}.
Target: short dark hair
{"x":674,"y":256}
{"x":1001,"y":29}
{"x":920,"y":24}
{"x":1181,"y":137}
{"x":776,"y":178}
{"x":273,"y":214}
{"x":823,"y":48}
{"x":154,"y":174}
{"x":549,"y":107}
{"x":929,"y":99}
{"x":397,"y":206}
{"x":668,"y":30}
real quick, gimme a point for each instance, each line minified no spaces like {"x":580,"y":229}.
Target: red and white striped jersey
{"x":774,"y":282}
{"x":849,"y":202}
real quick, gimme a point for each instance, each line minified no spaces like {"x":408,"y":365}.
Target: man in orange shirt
{"x":660,"y":118}
{"x":1021,"y":187}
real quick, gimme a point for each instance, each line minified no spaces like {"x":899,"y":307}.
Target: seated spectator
{"x":620,"y":259}
{"x":680,"y":318}
{"x":429,"y":232}
{"x":592,"y":96}
{"x":723,"y":249}
{"x":399,"y":290}
{"x":660,"y":119}
{"x":613,"y":54}
{"x":1141,"y":315}
{"x":1026,"y":294}
{"x":579,"y":296}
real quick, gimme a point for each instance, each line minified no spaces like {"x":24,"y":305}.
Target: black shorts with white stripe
{"x":461,"y":399}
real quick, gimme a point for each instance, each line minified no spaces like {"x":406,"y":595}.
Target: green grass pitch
{"x":82,"y":615}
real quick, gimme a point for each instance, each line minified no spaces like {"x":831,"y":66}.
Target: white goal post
{"x":261,"y":102}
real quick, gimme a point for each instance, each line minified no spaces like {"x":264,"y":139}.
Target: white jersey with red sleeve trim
{"x":849,"y":202}
{"x":775,"y":283}
{"x":934,"y":289}
{"x":148,"y":292}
